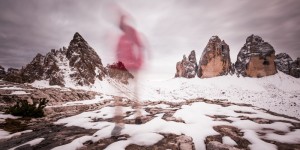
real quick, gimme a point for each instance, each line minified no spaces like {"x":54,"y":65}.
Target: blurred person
{"x":130,"y":51}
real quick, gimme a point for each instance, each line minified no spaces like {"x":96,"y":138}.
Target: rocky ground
{"x":54,"y":134}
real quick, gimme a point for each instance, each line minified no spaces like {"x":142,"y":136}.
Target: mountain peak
{"x":77,"y":38}
{"x":77,"y":35}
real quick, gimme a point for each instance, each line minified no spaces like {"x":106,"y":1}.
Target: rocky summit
{"x":85,"y":64}
{"x":256,"y":58}
{"x":215,"y":59}
{"x":79,"y":64}
{"x":187,"y":67}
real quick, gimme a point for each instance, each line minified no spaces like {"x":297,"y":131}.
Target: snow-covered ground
{"x":279,"y":93}
{"x":197,"y":124}
{"x":197,"y":119}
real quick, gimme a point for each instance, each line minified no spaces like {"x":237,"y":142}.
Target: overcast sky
{"x":170,"y":27}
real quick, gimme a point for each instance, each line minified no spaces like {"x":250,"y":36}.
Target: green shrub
{"x":24,"y":109}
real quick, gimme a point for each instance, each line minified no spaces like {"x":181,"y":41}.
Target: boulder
{"x":215,"y":59}
{"x":187,"y":68}
{"x":256,"y":58}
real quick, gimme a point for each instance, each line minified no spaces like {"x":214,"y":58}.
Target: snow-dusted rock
{"x":256,"y":58}
{"x":214,"y":145}
{"x":295,"y":68}
{"x":13,"y":75}
{"x":2,"y":72}
{"x":286,"y":64}
{"x":215,"y":59}
{"x":79,"y":64}
{"x":119,"y":72}
{"x":283,"y":62}
{"x":187,"y":67}
{"x":185,"y":143}
{"x":84,"y":61}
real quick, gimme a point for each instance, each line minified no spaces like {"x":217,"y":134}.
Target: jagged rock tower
{"x":187,"y":68}
{"x":286,"y":64}
{"x":256,"y":58}
{"x":215,"y":59}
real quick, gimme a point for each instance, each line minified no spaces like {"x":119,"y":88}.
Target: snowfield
{"x":278,"y":93}
{"x":199,"y":109}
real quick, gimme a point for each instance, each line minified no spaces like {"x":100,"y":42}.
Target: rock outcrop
{"x":215,"y":59}
{"x":119,"y":72}
{"x":13,"y":75}
{"x":256,"y":58}
{"x":2,"y":72}
{"x":187,"y":68}
{"x":295,"y":68}
{"x":283,"y":62}
{"x":286,"y":64}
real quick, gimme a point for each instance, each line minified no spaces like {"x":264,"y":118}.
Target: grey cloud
{"x":171,"y":27}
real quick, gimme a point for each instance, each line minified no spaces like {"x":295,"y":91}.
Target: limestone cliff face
{"x":256,"y":58}
{"x":215,"y":59}
{"x":187,"y":67}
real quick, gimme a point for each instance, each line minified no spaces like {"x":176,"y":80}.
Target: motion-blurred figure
{"x":130,"y":51}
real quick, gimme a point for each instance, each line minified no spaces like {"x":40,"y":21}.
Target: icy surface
{"x":227,"y":140}
{"x":18,"y":93}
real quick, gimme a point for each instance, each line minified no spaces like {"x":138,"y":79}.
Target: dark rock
{"x":84,"y":61}
{"x":2,"y":72}
{"x":185,"y":143}
{"x":215,"y":59}
{"x":13,"y":75}
{"x":187,"y":67}
{"x":295,"y":68}
{"x":283,"y":62}
{"x":34,"y":70}
{"x":119,"y":72}
{"x":256,"y":58}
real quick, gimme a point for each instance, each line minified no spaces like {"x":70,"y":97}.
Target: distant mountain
{"x":286,"y":64}
{"x":215,"y":59}
{"x":256,"y":58}
{"x":79,"y":64}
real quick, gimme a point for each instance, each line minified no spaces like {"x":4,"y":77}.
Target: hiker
{"x":130,"y":52}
